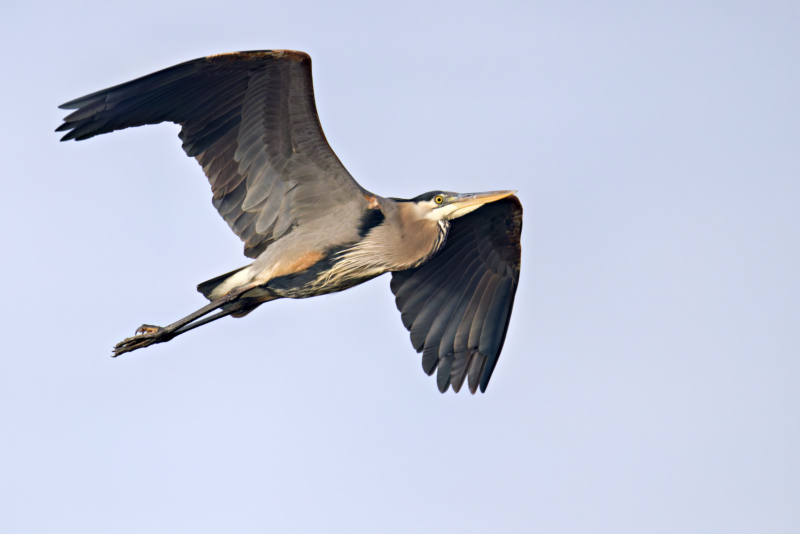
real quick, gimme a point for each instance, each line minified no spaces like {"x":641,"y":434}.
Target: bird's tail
{"x":214,"y":288}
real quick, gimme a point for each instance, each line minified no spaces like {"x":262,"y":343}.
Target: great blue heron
{"x":250,"y":120}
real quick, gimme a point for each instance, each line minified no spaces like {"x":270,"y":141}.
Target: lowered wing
{"x":458,"y":305}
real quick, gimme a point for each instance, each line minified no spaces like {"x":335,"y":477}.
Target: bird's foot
{"x":145,"y":336}
{"x":147,"y":329}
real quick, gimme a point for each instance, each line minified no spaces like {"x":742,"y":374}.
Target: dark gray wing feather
{"x":458,"y":305}
{"x":250,"y":120}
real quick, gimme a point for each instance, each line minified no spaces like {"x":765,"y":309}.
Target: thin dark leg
{"x":242,"y":304}
{"x":149,"y":335}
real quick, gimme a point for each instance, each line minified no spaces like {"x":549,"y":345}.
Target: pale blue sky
{"x":649,"y":381}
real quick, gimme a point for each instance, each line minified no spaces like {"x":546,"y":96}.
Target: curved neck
{"x":406,"y":239}
{"x":402,"y":241}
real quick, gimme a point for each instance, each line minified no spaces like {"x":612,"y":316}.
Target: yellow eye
{"x":438,"y":200}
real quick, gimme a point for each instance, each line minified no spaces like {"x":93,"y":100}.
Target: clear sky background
{"x":649,"y":381}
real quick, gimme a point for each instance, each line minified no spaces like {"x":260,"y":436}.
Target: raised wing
{"x":250,"y":120}
{"x":458,"y":305}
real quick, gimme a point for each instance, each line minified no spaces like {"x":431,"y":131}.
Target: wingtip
{"x":68,"y":136}
{"x":485,"y":379}
{"x":77,"y":102}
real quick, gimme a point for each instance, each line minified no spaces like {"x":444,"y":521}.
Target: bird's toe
{"x":148,"y":329}
{"x":145,"y":336}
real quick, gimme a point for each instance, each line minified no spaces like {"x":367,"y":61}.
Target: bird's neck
{"x":406,"y":241}
{"x":401,"y":242}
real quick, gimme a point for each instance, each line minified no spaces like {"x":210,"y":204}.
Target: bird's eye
{"x":438,"y":200}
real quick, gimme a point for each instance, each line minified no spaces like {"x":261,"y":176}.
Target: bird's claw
{"x":145,"y":336}
{"x":147,"y":329}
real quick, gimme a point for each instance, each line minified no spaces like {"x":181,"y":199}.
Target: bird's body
{"x":307,"y":262}
{"x":250,"y":120}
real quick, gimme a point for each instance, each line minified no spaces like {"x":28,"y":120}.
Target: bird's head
{"x":446,"y":205}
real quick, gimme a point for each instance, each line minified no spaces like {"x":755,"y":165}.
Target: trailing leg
{"x":232,"y":303}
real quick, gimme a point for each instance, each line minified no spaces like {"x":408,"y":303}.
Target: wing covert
{"x":458,"y":305}
{"x":250,"y":120}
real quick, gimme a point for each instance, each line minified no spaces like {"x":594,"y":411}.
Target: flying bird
{"x":250,"y":120}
